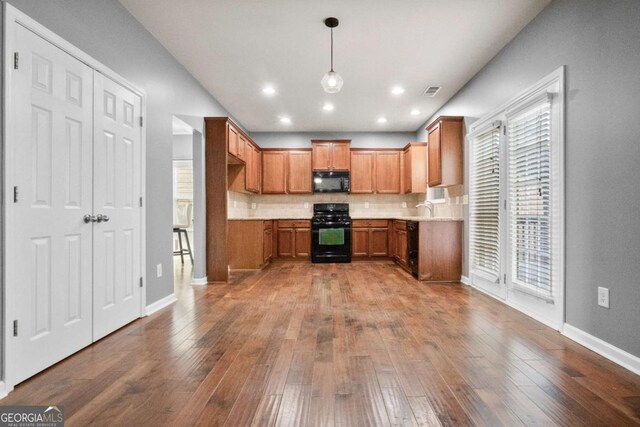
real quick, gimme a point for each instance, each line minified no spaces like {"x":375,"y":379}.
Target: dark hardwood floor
{"x":351,"y":345}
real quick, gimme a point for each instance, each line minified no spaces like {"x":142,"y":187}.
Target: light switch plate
{"x":603,"y":297}
{"x":159,"y":270}
{"x":366,"y":205}
{"x":254,"y":205}
{"x":306,"y":205}
{"x":404,"y":204}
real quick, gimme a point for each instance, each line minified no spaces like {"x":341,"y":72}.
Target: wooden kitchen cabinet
{"x":370,"y":238}
{"x":440,"y":251}
{"x":299,"y":172}
{"x":243,"y":148}
{"x":249,"y":244}
{"x":233,"y":139}
{"x":375,"y":171}
{"x":387,"y":172}
{"x":252,"y":168}
{"x":400,"y":242}
{"x":274,"y":176}
{"x":415,"y":168}
{"x":293,"y":238}
{"x":445,"y":151}
{"x":286,"y":172}
{"x":362,"y":170}
{"x":331,"y":155}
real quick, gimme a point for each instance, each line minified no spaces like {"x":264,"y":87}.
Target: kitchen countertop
{"x":402,"y":218}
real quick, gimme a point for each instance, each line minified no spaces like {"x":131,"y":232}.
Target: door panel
{"x":362,"y":180}
{"x":321,"y":156}
{"x":388,"y":172}
{"x":340,"y":156}
{"x":48,"y":269}
{"x":116,"y":255}
{"x":434,"y":171}
{"x":360,"y":242}
{"x":274,"y":172}
{"x":303,"y":242}
{"x":285,"y":243}
{"x":299,"y":172}
{"x":379,"y":242}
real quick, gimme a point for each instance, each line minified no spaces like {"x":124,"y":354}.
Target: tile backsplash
{"x":243,"y":205}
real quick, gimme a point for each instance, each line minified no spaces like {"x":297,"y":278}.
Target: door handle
{"x":102,"y":218}
{"x":89,"y":218}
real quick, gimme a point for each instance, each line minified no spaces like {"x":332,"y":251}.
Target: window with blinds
{"x":484,"y":194}
{"x":529,"y":195}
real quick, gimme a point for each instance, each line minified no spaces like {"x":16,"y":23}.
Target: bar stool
{"x":181,"y":228}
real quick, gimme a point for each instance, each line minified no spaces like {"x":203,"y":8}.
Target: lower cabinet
{"x":293,"y":238}
{"x":370,"y":238}
{"x":400,"y":242}
{"x":249,"y":244}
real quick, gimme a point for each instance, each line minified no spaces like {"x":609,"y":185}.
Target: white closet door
{"x":117,"y":152}
{"x":48,"y":243}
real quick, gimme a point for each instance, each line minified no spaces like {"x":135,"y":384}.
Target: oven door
{"x":331,"y":243}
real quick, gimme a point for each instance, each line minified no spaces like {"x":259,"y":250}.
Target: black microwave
{"x":331,"y":182}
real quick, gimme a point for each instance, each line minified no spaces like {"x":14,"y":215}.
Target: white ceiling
{"x":234,"y":48}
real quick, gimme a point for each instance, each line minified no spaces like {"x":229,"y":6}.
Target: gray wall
{"x":358,"y":139}
{"x":599,"y":42}
{"x":106,"y":31}
{"x":182,"y":147}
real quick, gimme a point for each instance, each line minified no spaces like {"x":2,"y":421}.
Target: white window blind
{"x":529,"y":194}
{"x":484,"y":193}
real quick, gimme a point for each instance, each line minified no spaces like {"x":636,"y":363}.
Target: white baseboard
{"x":200,"y":281}
{"x":160,"y":304}
{"x":603,"y":348}
{"x":465,"y":280}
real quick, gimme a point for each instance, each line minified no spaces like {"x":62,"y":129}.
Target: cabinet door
{"x":232,"y":140}
{"x":433,"y":148}
{"x":302,"y":242}
{"x":379,"y":242}
{"x":362,"y":172}
{"x":267,"y":245}
{"x":387,"y":174}
{"x":407,"y":177}
{"x":299,"y":172}
{"x":321,"y":154}
{"x":360,"y":242}
{"x":256,"y":170}
{"x":340,"y":156}
{"x":286,"y":245}
{"x":243,"y":147}
{"x":274,"y":165}
{"x":401,"y":246}
{"x":249,"y":184}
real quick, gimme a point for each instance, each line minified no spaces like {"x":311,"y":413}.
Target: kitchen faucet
{"x":426,"y":204}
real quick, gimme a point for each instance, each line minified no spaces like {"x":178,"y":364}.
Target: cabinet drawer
{"x":366,"y":223}
{"x":400,"y":225}
{"x":268,"y":225}
{"x":296,"y":223}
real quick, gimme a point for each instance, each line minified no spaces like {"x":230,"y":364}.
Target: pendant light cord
{"x":332,"y":49}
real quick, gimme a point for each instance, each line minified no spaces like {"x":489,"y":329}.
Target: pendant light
{"x":331,"y":82}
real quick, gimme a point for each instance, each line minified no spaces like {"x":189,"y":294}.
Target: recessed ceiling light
{"x":328,"y":107}
{"x":285,"y":120}
{"x":415,"y":112}
{"x":397,"y":90}
{"x":382,"y":120}
{"x":269,"y":90}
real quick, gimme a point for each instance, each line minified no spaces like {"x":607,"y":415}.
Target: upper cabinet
{"x":375,"y":171}
{"x":445,"y":152}
{"x":286,"y":172}
{"x":331,"y":155}
{"x":253,"y":168}
{"x":233,"y":140}
{"x":415,"y":168}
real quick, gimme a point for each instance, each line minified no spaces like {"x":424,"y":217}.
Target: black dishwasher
{"x":412,"y":246}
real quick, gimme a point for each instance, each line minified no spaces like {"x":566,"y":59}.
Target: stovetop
{"x":331,"y":213}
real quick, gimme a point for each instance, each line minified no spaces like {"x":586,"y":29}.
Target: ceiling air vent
{"x":431,"y":91}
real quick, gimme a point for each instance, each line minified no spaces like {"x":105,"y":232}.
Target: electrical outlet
{"x":159,"y":270}
{"x":306,"y":205}
{"x":404,"y":204}
{"x":235,"y":204}
{"x":603,"y":297}
{"x":254,"y":205}
{"x":366,"y":205}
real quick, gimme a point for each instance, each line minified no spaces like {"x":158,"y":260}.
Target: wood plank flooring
{"x":336,"y":345}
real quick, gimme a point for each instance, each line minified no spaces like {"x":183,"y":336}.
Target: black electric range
{"x":331,"y":233}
